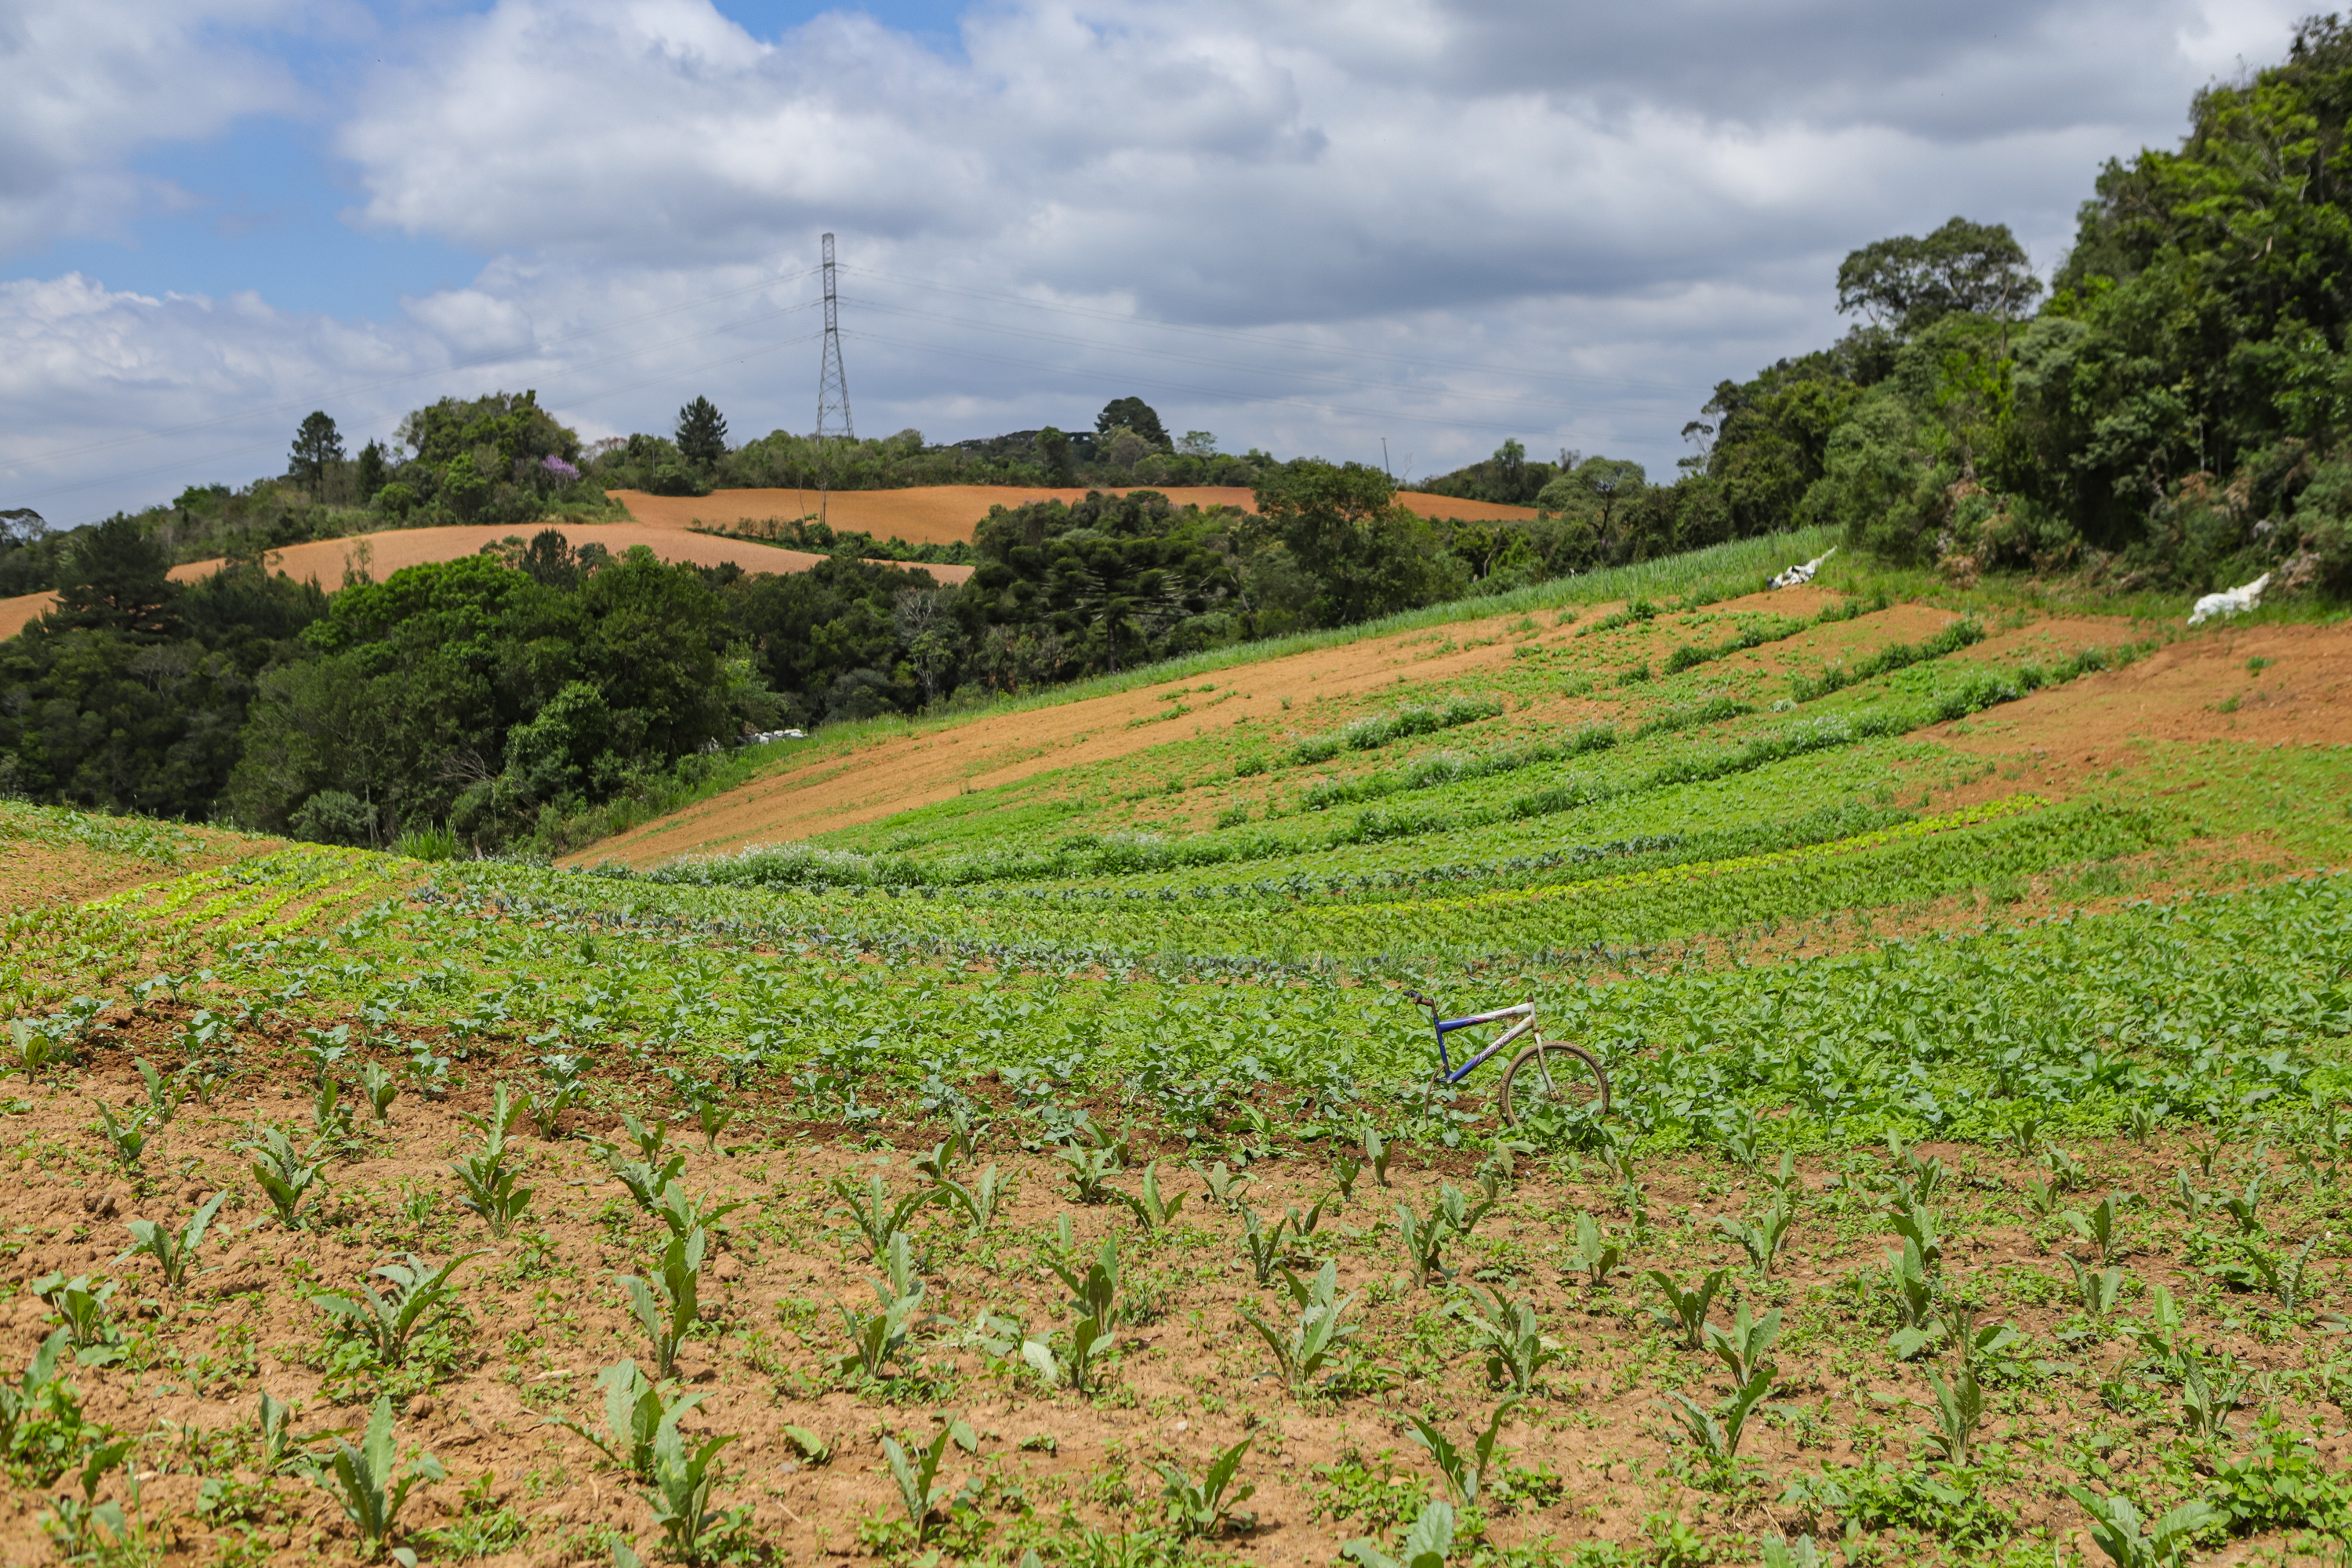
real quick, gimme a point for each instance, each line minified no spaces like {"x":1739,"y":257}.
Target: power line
{"x":832,"y":380}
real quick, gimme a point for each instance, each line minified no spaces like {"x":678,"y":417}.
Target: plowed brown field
{"x":325,"y":559}
{"x":942,"y":514}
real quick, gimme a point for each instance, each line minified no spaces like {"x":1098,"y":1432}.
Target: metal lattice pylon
{"x":833,"y":381}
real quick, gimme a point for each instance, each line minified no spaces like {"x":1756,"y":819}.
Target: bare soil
{"x":944,"y":514}
{"x":543,"y":1311}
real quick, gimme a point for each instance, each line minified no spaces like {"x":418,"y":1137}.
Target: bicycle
{"x":1544,"y":1073}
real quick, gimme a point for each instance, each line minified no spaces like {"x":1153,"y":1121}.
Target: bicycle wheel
{"x":1548,"y":1073}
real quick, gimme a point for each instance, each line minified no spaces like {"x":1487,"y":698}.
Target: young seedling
{"x":684,"y":1478}
{"x":978,"y":1199}
{"x":414,"y":1290}
{"x":1425,"y":1241}
{"x":80,"y":1305}
{"x":1263,"y":1247}
{"x":1376,"y":1155}
{"x":324,"y":1049}
{"x":1597,"y":1256}
{"x":329,"y":1117}
{"x":878,"y":1218}
{"x":1762,"y":1239}
{"x":2100,"y":1227}
{"x":637,"y":1414}
{"x":2283,"y":1278}
{"x":1090,"y":1342}
{"x":1742,"y":1348}
{"x":2245,"y":1207}
{"x":1509,"y":1332}
{"x":879,"y":1338}
{"x":1303,"y":1352}
{"x":504,"y":1115}
{"x":1345,"y":1172}
{"x":645,"y":1183}
{"x":1204,"y":1508}
{"x":162,"y":1093}
{"x":713,"y":1118}
{"x":1913,"y":1287}
{"x":21,"y":1403}
{"x":1685,"y":1311}
{"x":682,"y":1213}
{"x":371,"y":1484}
{"x":2130,"y":1543}
{"x":2095,"y":1288}
{"x":1959,"y":1409}
{"x":31,"y":1046}
{"x":1151,"y":1211}
{"x":920,"y":1491}
{"x":285,"y":1176}
{"x":1304,"y":1222}
{"x":1428,"y":1544}
{"x":665,"y":1307}
{"x":1464,"y":1473}
{"x":1093,"y":1289}
{"x":278,"y":1452}
{"x":173,"y":1250}
{"x":128,"y":1138}
{"x":1916,"y":1223}
{"x":1718,"y":1432}
{"x":1743,"y":1138}
{"x":1224,"y":1185}
{"x":2207,"y":1399}
{"x":1091,"y":1167}
{"x":492,"y":1189}
{"x":380,"y":1089}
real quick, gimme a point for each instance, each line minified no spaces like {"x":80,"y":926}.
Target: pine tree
{"x":701,"y":433}
{"x":315,"y":445}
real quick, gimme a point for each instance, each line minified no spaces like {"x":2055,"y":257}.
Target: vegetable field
{"x":1043,"y":1164}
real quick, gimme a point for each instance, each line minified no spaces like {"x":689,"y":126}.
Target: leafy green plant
{"x":1262,"y":1246}
{"x":1224,"y":1186}
{"x":492,"y":1189}
{"x":414,"y":1290}
{"x":1090,"y":1342}
{"x":80,"y":1304}
{"x":1091,"y":1166}
{"x":1958,"y":1410}
{"x":713,"y":1117}
{"x":1743,"y":1347}
{"x":1914,"y":1290}
{"x":685,"y":1475}
{"x":1424,"y":1240}
{"x":876,"y":1217}
{"x":87,"y":1529}
{"x":978,"y":1199}
{"x":2097,"y":1290}
{"x":638,"y":1413}
{"x":2245,"y":1208}
{"x":1302,"y":1354}
{"x":1204,"y":1507}
{"x":2282,"y":1276}
{"x":496,"y":1124}
{"x":1718,"y":1432}
{"x":1916,"y":1224}
{"x":173,"y":1250}
{"x":1428,"y":1544}
{"x":162,"y":1093}
{"x":666,"y":1306}
{"x":1508,"y":1332}
{"x":371,"y":1484}
{"x":39,"y":1388}
{"x":2187,"y":1198}
{"x":1466,"y":1472}
{"x":1762,"y":1239}
{"x":2102,"y":1227}
{"x":1151,"y":1211}
{"x":879,"y":1338}
{"x":2120,"y":1531}
{"x":2206,"y":1400}
{"x":285,"y":1176}
{"x":380,"y":1089}
{"x":645,"y":1182}
{"x":1597,"y":1254}
{"x":1791,"y":1552}
{"x":329,"y":1117}
{"x":31,"y":1046}
{"x":1685,"y":1311}
{"x":920,"y":1491}
{"x":129,"y":1138}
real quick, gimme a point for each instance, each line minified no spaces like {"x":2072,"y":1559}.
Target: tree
{"x":1368,"y":556}
{"x":315,"y":445}
{"x":703,"y":433}
{"x":1133,"y":414}
{"x":370,"y":475}
{"x":1054,"y":451}
{"x":116,"y":580}
{"x":21,"y":525}
{"x":1907,"y":284}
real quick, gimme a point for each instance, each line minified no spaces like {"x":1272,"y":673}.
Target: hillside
{"x":1899,"y":916}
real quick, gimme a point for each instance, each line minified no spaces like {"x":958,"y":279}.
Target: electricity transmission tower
{"x":833,"y":381}
{"x":832,"y":390}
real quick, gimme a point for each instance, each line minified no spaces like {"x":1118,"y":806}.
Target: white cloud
{"x":1501,"y":195}
{"x":84,"y":85}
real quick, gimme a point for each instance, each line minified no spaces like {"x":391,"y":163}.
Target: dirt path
{"x":942,"y":514}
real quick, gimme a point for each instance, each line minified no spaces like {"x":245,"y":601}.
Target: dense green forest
{"x":2169,"y":411}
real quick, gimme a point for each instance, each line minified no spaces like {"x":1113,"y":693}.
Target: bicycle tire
{"x":1570,"y":1072}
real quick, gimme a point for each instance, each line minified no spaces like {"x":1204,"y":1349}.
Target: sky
{"x":1382,"y":230}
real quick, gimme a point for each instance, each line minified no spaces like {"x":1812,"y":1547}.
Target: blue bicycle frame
{"x":1524,"y":1012}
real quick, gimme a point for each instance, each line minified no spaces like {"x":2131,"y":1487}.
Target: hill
{"x":1892,"y":912}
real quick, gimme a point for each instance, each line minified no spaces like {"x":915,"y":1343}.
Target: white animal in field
{"x":2236,"y":602}
{"x":1797,"y":574}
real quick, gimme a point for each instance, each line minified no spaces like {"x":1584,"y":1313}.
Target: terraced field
{"x":1010,"y":1135}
